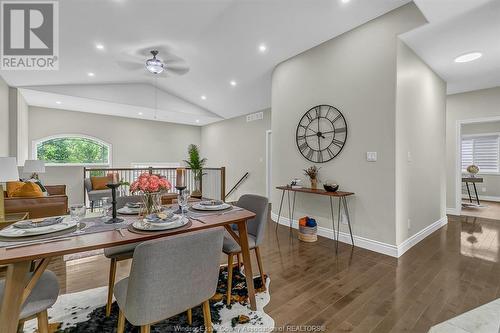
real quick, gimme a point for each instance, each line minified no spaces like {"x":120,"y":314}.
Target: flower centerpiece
{"x":312,"y":173}
{"x":152,"y":187}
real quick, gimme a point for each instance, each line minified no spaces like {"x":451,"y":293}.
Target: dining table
{"x":34,"y":257}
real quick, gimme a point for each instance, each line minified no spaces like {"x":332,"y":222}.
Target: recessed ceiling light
{"x":471,"y":56}
{"x":345,"y":1}
{"x":197,"y":120}
{"x":90,"y":74}
{"x":58,"y":102}
{"x":262,"y":48}
{"x":233,"y":83}
{"x":99,"y":46}
{"x":203,"y":97}
{"x":140,"y":113}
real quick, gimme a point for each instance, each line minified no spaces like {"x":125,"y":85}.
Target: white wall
{"x":241,"y":147}
{"x":18,"y":126}
{"x":490,"y":188}
{"x":356,"y":72}
{"x":420,"y":145}
{"x":4,"y":118}
{"x":480,"y":104}
{"x":132,"y":140}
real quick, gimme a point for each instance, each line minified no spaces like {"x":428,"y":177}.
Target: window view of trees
{"x":72,"y":150}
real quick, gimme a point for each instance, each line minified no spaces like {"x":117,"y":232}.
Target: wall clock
{"x":321,"y":133}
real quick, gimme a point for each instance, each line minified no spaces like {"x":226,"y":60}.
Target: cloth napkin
{"x":45,"y":223}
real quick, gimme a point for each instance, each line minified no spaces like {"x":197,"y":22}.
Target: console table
{"x":338,"y":194}
{"x":472,"y":180}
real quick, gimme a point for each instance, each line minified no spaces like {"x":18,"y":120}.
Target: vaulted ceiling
{"x":220,"y":41}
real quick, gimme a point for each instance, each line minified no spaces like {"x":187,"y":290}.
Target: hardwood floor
{"x":488,"y":209}
{"x":452,"y":271}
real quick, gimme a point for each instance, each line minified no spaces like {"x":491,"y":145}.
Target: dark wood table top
{"x":472,"y":179}
{"x":93,"y":241}
{"x":316,"y":191}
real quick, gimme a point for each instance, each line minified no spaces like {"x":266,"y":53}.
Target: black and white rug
{"x":85,"y":312}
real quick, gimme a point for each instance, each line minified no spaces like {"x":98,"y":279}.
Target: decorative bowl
{"x":331,"y":187}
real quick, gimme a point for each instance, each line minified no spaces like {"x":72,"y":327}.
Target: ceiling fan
{"x":156,"y":60}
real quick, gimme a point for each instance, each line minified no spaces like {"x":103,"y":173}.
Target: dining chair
{"x":255,"y":228}
{"x":43,"y":296}
{"x":118,"y":253}
{"x":169,"y":276}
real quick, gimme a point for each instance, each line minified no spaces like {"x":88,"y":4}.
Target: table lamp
{"x":34,"y":167}
{"x":8,"y":172}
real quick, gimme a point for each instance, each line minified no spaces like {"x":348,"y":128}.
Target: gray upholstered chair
{"x":95,"y":195}
{"x":42,"y":297}
{"x":169,"y":276}
{"x":118,"y":253}
{"x":255,"y":228}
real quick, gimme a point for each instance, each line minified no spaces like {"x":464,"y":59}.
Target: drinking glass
{"x":77,"y":213}
{"x":183,"y":201}
{"x":106,"y":206}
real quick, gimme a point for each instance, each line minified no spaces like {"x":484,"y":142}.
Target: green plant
{"x":195,"y":162}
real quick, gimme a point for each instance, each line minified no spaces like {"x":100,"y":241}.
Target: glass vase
{"x":152,"y":203}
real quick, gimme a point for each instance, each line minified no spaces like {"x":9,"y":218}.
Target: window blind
{"x":482,"y":151}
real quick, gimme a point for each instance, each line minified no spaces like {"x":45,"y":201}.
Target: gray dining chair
{"x":169,"y":276}
{"x":118,"y":253}
{"x":255,"y":228}
{"x":95,"y":195}
{"x":42,"y":297}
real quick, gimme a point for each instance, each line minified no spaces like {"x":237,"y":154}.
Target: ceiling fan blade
{"x":130,"y":65}
{"x":178,"y":69}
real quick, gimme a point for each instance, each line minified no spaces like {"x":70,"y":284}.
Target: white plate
{"x":144,"y":225}
{"x":128,"y":211}
{"x":197,"y":206}
{"x":13,"y":232}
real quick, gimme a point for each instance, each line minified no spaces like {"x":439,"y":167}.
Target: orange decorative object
{"x":303,"y":221}
{"x":28,"y":190}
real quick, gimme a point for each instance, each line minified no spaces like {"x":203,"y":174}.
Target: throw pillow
{"x":28,"y":190}
{"x":13,"y":187}
{"x":99,"y":183}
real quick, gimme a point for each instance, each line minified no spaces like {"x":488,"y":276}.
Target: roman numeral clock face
{"x":321,"y":133}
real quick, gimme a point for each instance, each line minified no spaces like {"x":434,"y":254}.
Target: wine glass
{"x":77,"y":213}
{"x":183,"y":201}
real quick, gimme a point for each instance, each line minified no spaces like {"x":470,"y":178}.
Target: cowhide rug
{"x":85,"y":311}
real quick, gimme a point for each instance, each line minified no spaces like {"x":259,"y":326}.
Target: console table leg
{"x":338,"y":227}
{"x":475,"y":191}
{"x":279,"y":212}
{"x":468,"y":191}
{"x":289,"y":212}
{"x":333,"y":222}
{"x":346,"y":210}
{"x":293,"y":209}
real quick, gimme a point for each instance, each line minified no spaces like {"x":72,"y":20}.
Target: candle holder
{"x":113,"y":187}
{"x":180,"y":189}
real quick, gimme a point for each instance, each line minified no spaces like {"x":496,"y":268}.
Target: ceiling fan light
{"x":154,"y":65}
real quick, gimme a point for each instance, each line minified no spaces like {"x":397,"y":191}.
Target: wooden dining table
{"x":19,"y":260}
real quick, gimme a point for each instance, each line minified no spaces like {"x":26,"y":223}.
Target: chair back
{"x":258,"y":205}
{"x":170,"y":275}
{"x":88,"y":184}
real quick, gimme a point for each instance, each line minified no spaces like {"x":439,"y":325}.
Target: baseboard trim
{"x":370,"y":244}
{"x":484,"y":197}
{"x":419,"y":236}
{"x":344,"y":237}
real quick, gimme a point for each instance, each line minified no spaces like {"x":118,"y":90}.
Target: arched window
{"x":72,"y":149}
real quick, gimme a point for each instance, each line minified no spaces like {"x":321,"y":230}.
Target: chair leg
{"x":261,"y":270}
{"x":190,"y":317}
{"x":240,"y":261}
{"x":43,"y":322}
{"x":121,"y":322}
{"x":111,"y":285}
{"x":145,"y":328}
{"x":207,"y":317}
{"x":229,"y":277}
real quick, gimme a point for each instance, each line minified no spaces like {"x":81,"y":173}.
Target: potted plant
{"x":196,"y":164}
{"x":152,"y":188}
{"x":312,"y":173}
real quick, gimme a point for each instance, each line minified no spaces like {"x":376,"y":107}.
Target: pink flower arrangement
{"x":148,"y":183}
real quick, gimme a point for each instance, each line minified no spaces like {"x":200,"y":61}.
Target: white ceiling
{"x":458,"y":27}
{"x":218,"y":39}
